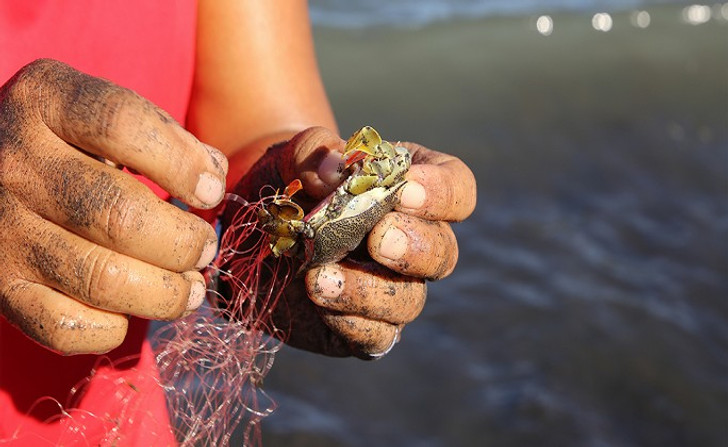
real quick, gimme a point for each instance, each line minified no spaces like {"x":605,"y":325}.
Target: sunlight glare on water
{"x":640,"y":19}
{"x":602,"y":21}
{"x":545,"y":25}
{"x":696,"y":14}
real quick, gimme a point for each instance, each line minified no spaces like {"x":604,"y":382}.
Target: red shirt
{"x":148,"y":47}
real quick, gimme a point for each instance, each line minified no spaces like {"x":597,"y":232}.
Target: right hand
{"x":82,"y":244}
{"x":359,"y":305}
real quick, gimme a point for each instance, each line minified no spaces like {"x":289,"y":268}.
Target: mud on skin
{"x":81,"y":199}
{"x":432,"y":250}
{"x":365,"y":294}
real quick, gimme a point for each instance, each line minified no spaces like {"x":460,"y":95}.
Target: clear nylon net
{"x":210,"y":365}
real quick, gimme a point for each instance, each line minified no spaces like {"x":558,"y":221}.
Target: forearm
{"x":256,"y":78}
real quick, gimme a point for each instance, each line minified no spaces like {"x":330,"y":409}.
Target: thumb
{"x":315,"y":156}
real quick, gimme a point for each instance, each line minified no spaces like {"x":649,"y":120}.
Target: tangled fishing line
{"x":212,"y":364}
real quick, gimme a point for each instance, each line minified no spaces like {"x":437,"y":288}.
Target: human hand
{"x":83,"y":244}
{"x":359,"y":306}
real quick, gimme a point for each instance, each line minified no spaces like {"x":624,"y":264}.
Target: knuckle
{"x":189,"y":242}
{"x":33,"y":74}
{"x":446,"y":197}
{"x":130,"y":217}
{"x":432,"y":250}
{"x":83,"y":194}
{"x":32,"y":86}
{"x":97,"y":107}
{"x":43,"y":65}
{"x":112,"y":120}
{"x":170,"y":303}
{"x":105,"y":275}
{"x":120,"y":215}
{"x":451,"y":190}
{"x":48,"y":255}
{"x":92,"y":107}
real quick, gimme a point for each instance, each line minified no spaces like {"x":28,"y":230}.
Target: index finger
{"x":440,"y":186}
{"x":119,"y":125}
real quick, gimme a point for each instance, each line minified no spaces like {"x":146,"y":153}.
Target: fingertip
{"x":331,"y":169}
{"x":393,"y":244}
{"x":209,"y":250}
{"x":413,"y":195}
{"x":325,"y":284}
{"x":197,"y":292}
{"x":387,"y":243}
{"x":196,"y":297}
{"x":315,"y":157}
{"x":210,"y":189}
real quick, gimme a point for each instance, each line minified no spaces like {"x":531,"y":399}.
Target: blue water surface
{"x":366,"y":13}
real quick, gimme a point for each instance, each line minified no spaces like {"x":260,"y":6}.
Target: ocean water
{"x":590,"y":303}
{"x":367,"y":13}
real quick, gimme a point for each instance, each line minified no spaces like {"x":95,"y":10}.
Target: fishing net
{"x":210,"y":365}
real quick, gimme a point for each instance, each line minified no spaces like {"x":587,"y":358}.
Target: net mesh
{"x":210,"y":365}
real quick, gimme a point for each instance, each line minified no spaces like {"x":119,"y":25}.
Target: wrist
{"x":244,"y":159}
{"x":263,"y":172}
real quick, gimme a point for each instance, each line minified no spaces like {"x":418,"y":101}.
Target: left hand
{"x":360,"y":305}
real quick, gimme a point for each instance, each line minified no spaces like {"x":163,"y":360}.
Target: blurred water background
{"x":590,"y":303}
{"x":361,"y":14}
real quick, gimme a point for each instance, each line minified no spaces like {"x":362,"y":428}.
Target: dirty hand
{"x":359,"y":306}
{"x":82,"y":243}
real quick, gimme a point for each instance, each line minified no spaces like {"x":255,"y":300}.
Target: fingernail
{"x":208,"y":254}
{"x":394,"y":244}
{"x":209,"y":189}
{"x":331,"y":169}
{"x":218,"y":158}
{"x":330,"y":282}
{"x":197,"y":295}
{"x":413,"y":195}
